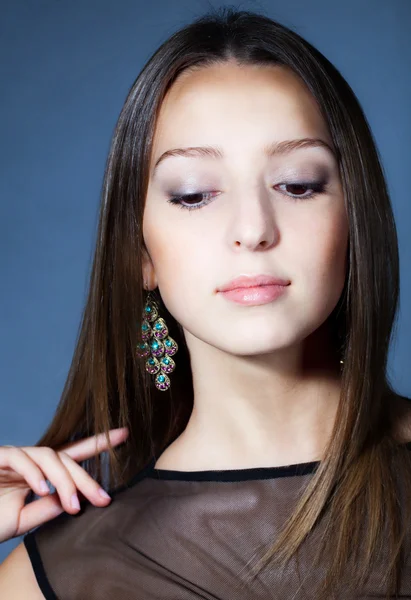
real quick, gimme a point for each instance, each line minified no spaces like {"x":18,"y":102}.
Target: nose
{"x":253,"y":225}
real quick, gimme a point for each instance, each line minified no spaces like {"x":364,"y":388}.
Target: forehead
{"x":229,"y":102}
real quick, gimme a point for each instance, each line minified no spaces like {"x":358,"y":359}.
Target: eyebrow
{"x":274,"y":149}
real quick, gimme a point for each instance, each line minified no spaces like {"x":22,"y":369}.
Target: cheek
{"x":322,"y":259}
{"x":183,"y":263}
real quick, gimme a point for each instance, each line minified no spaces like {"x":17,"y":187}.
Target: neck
{"x":261,"y":410}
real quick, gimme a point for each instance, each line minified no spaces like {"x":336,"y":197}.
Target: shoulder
{"x":17,"y":578}
{"x":40,"y":567}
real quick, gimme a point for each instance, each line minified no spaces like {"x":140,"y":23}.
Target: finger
{"x":84,"y":482}
{"x":83,"y":449}
{"x":51,"y":465}
{"x":38,"y":512}
{"x":17,"y":460}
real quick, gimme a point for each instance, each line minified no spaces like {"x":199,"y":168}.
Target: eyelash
{"x":318,"y":187}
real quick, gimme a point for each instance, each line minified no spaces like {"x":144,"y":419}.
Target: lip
{"x":254,"y":296}
{"x":252,"y":281}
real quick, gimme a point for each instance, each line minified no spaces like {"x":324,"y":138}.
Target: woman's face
{"x":247,"y":220}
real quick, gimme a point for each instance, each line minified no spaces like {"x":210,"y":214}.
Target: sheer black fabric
{"x":174,"y":535}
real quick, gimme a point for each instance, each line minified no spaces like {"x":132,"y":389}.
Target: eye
{"x":192,"y":202}
{"x":317,"y":187}
{"x":178,"y":200}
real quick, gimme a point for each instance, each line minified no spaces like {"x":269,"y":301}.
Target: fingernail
{"x":43,"y":486}
{"x":75,"y":502}
{"x":104,"y":494}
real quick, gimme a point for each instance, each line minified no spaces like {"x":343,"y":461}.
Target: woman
{"x":241,"y":305}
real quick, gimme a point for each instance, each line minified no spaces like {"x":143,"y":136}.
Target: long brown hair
{"x":356,"y":488}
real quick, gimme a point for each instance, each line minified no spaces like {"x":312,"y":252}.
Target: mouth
{"x":249,"y":281}
{"x":254,"y":295}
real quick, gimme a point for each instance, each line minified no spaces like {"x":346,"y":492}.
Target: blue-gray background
{"x":66,"y":67}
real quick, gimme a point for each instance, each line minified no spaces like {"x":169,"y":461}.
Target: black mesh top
{"x":175,"y":535}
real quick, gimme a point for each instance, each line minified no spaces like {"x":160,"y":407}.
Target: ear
{"x":148,"y":272}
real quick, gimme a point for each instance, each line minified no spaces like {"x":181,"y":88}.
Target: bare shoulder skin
{"x":17,"y":579}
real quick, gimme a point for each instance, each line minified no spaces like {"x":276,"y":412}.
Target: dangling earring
{"x":158,"y":344}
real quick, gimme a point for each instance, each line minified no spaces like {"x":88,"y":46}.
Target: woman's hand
{"x":25,"y":468}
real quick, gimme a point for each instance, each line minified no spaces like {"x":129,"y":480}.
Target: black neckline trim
{"x":247,"y":474}
{"x":30,"y":543}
